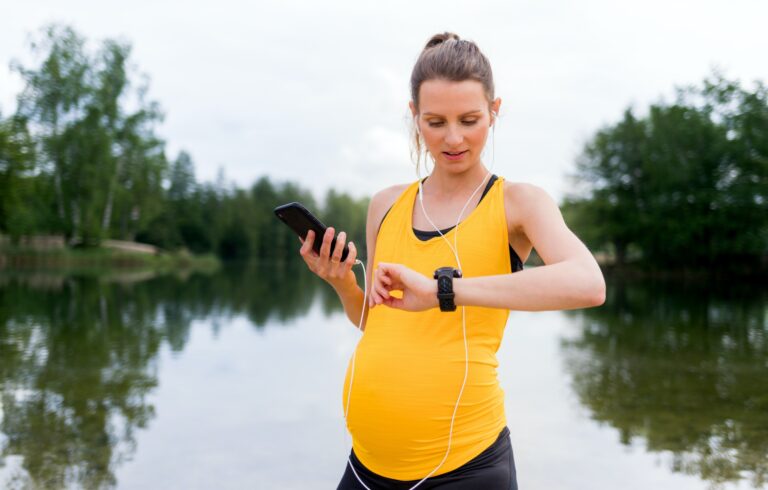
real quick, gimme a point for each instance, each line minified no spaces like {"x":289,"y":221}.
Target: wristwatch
{"x":444,"y":276}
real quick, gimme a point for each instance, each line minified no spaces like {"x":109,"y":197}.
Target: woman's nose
{"x":453,"y":137}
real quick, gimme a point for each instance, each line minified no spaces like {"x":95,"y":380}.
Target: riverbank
{"x":722,"y":272}
{"x":20,"y":258}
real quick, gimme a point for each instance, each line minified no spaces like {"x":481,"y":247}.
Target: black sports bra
{"x":517,"y":264}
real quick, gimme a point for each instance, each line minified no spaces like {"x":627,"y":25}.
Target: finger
{"x":372,"y":298}
{"x":389,"y":269}
{"x":350,"y":261}
{"x":386,"y":283}
{"x":339,"y":247}
{"x":394,"y":273}
{"x":395,"y":282}
{"x":352,"y":254}
{"x":389,"y":275}
{"x":325,"y":248}
{"x":395,"y":302}
{"x":375,"y":297}
{"x":307,"y":244}
{"x":381,"y":292}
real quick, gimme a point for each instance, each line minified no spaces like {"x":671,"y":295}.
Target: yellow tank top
{"x":409,"y":366}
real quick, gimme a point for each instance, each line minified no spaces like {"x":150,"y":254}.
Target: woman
{"x":421,"y":396}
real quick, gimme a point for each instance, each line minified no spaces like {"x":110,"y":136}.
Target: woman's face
{"x":454,"y":119}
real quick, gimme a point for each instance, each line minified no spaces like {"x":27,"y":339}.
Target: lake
{"x":233,"y":380}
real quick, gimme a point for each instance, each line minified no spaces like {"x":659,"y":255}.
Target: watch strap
{"x":445,"y":294}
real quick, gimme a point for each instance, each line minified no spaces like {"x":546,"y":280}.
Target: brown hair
{"x":447,"y":57}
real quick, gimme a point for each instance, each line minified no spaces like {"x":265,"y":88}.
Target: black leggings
{"x":492,"y":469}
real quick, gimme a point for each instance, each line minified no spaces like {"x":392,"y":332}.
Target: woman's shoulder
{"x":520,"y":198}
{"x":385,"y":198}
{"x":381,"y":202}
{"x":521,"y":190}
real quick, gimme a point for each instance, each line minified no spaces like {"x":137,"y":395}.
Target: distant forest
{"x":76,"y":161}
{"x":684,"y":184}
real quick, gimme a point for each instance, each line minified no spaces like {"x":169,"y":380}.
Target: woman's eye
{"x":437,"y":124}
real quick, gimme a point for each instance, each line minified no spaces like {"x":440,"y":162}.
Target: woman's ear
{"x":415,"y":116}
{"x":495,"y":109}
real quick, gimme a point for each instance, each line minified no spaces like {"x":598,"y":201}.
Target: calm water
{"x":233,"y":380}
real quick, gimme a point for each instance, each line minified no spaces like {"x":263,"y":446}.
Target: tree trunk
{"x":75,"y":224}
{"x":107,"y":216}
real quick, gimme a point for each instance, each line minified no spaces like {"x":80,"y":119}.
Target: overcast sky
{"x":316,"y":92}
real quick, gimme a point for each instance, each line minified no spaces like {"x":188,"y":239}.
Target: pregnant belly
{"x":403,"y":397}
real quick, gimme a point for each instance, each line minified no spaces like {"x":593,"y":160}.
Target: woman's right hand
{"x":328,"y":265}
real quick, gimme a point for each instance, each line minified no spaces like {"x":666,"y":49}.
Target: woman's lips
{"x":454,"y":156}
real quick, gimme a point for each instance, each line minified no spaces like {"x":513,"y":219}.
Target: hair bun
{"x":441,"y":38}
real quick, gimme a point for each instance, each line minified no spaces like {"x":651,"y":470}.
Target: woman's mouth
{"x":454,"y":155}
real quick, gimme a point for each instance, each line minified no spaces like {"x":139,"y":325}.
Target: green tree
{"x":687,"y":184}
{"x":52,"y":100}
{"x":17,"y":188}
{"x":75,"y":160}
{"x":106,"y":163}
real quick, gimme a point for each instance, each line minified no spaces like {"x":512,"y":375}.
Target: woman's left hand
{"x":419,"y":292}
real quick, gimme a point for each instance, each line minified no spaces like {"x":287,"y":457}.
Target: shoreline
{"x":84,"y":259}
{"x":751,"y":273}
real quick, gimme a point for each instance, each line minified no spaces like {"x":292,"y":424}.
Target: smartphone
{"x":300,"y":220}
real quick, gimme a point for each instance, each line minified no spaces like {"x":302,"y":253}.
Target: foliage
{"x":76,"y":161}
{"x":687,"y":184}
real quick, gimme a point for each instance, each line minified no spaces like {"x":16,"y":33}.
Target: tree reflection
{"x":78,"y":358}
{"x":683,"y":366}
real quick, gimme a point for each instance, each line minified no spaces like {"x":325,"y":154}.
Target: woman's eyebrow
{"x":462,"y":115}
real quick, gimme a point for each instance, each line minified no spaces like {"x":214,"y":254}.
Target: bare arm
{"x":328,"y":266}
{"x":351,"y":297}
{"x":350,"y":294}
{"x":570,"y":279}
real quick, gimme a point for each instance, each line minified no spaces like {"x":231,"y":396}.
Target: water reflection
{"x":77,"y":358}
{"x":685,"y":368}
{"x":680,"y":367}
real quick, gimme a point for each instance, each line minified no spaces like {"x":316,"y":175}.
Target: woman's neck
{"x":441,"y":184}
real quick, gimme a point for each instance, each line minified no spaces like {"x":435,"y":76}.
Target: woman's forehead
{"x":445,"y":97}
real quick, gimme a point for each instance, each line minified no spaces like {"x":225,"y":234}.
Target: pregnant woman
{"x":445,"y":257}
